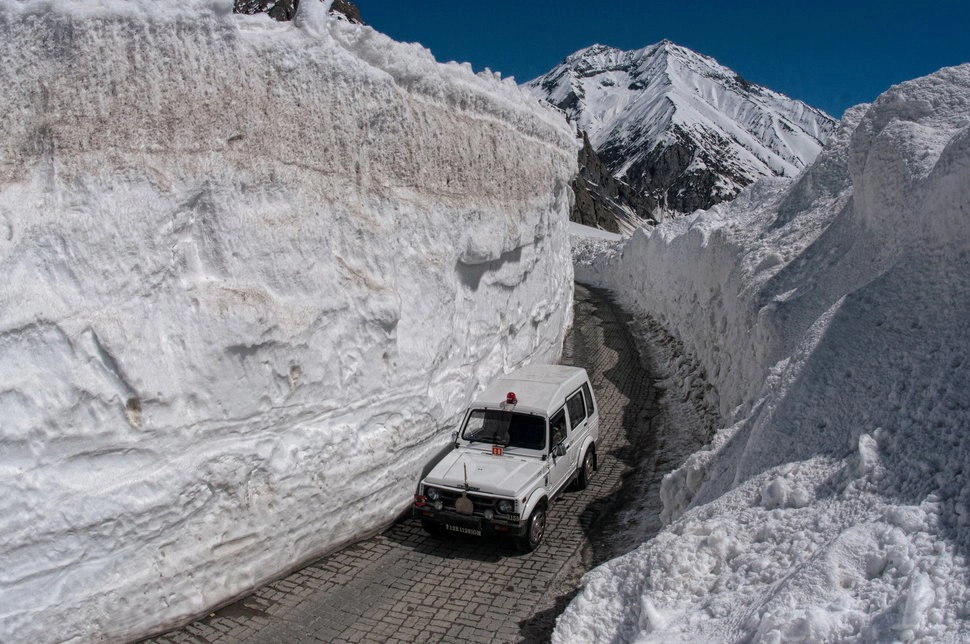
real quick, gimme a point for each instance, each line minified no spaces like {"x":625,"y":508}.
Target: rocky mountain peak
{"x":678,"y":127}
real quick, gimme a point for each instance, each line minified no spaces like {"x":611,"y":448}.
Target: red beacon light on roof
{"x":510,"y":398}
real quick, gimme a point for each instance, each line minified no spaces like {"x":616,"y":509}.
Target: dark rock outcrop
{"x":683,"y":176}
{"x":277,"y":9}
{"x":286,"y":9}
{"x":602,"y":200}
{"x":348,"y":9}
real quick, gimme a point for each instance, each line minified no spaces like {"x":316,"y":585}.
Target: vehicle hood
{"x":502,"y":475}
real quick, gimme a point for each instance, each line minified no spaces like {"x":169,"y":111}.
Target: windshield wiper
{"x":490,"y":438}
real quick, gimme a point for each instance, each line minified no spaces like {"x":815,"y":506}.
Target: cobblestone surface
{"x":406,"y":586}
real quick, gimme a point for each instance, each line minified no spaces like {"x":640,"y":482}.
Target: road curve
{"x":405,"y":586}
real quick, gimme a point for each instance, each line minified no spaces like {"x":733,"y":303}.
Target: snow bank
{"x":252,"y":271}
{"x":831,"y":314}
{"x":581,"y":231}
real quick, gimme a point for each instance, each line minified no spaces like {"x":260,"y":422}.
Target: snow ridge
{"x":830,"y":313}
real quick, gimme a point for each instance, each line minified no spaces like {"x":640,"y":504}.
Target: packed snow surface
{"x":577,"y":230}
{"x":832,"y":314}
{"x":252,"y":271}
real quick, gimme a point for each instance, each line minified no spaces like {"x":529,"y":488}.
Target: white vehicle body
{"x":521,"y":443}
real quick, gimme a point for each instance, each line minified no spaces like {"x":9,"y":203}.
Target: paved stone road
{"x":405,"y":586}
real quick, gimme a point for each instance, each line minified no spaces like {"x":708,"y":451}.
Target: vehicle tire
{"x":535,"y":531}
{"x":432,"y":528}
{"x":586,"y":470}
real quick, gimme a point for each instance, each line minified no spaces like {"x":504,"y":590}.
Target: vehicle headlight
{"x":504,"y":506}
{"x":431,"y":493}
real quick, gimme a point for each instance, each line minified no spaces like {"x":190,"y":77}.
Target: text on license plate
{"x":463,"y":530}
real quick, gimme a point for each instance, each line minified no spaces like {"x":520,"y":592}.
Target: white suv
{"x":521,"y":443}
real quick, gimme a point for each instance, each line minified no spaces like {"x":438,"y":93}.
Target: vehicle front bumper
{"x":469,"y":524}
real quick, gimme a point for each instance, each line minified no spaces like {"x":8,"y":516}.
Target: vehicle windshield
{"x":505,"y":428}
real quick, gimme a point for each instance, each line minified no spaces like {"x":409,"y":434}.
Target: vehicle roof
{"x":539,"y":388}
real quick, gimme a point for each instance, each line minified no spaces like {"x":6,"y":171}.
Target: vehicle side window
{"x":588,"y":395}
{"x":577,"y":408}
{"x":557,"y":427}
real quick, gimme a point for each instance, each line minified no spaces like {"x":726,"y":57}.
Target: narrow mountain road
{"x":405,"y":586}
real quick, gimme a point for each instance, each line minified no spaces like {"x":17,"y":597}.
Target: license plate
{"x":463,"y":529}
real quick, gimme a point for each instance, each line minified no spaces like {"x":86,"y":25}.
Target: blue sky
{"x":829,"y":54}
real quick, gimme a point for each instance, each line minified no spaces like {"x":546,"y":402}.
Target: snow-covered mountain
{"x":252,"y":270}
{"x":678,"y":127}
{"x":830,"y":315}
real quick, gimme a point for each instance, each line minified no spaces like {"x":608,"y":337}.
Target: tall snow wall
{"x":831,"y":313}
{"x":252,"y":272}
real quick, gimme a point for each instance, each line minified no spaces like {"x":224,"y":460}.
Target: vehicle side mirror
{"x":454,"y":438}
{"x":559,"y":450}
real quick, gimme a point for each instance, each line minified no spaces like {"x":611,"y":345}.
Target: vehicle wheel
{"x":536,"y":530}
{"x":586,"y":470}
{"x":432,"y":528}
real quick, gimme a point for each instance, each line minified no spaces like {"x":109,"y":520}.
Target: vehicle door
{"x":578,"y":426}
{"x":560,"y":468}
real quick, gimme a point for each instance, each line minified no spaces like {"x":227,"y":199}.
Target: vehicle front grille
{"x":482,"y":503}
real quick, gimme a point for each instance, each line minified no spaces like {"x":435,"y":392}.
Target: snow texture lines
{"x":237,"y":314}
